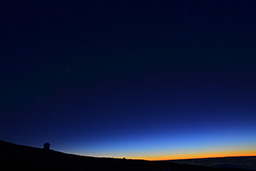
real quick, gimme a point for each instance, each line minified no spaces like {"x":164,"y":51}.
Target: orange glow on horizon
{"x":198,"y":155}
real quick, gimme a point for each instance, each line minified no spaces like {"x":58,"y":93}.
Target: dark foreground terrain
{"x":230,"y":162}
{"x":17,"y":157}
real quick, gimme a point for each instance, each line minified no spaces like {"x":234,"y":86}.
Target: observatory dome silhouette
{"x":47,"y":146}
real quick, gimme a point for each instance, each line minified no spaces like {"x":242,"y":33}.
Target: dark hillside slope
{"x":17,"y":157}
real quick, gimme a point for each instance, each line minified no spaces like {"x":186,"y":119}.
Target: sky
{"x":150,"y":79}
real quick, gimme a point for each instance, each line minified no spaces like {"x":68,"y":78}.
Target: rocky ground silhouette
{"x":18,"y":157}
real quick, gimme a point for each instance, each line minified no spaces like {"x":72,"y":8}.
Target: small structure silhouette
{"x":47,"y":146}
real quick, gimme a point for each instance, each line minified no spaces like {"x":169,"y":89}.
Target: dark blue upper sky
{"x":126,"y":78}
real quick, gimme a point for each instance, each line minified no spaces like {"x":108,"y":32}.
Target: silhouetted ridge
{"x":17,"y":157}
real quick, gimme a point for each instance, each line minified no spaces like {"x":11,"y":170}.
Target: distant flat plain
{"x":248,"y":162}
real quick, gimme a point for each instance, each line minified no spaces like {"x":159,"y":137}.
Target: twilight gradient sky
{"x":147,"y":79}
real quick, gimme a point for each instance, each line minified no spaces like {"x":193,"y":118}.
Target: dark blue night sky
{"x":147,"y":79}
